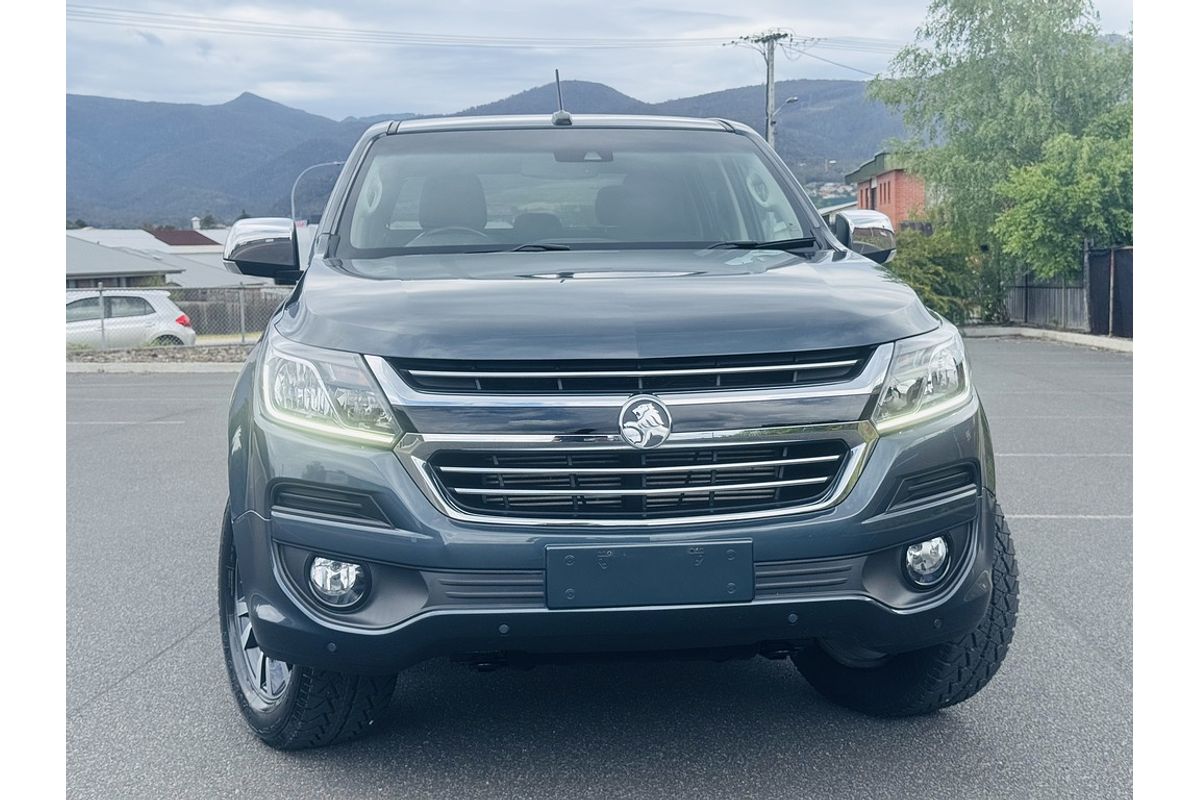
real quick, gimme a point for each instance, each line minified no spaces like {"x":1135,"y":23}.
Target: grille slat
{"x":649,"y":373}
{"x":933,"y":485}
{"x":631,"y":470}
{"x":720,"y":373}
{"x":585,"y":492}
{"x":798,"y":577}
{"x":492,"y":587}
{"x":634,"y":484}
{"x":327,"y":501}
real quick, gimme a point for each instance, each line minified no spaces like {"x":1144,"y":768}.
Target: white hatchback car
{"x":130,"y":318}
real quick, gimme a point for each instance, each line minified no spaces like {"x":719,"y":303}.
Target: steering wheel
{"x":454,"y":232}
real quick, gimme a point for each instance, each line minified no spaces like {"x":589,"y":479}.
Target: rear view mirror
{"x":866,"y":232}
{"x":264,"y":247}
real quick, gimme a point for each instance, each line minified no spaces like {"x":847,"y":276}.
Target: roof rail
{"x":728,"y":125}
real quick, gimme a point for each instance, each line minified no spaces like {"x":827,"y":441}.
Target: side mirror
{"x":264,"y":247}
{"x":868,"y":233}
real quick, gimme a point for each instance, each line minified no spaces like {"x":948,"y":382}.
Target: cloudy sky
{"x":349,"y":57}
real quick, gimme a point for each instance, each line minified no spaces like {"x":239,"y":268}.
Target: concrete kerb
{"x":148,"y":366}
{"x":1064,"y":337}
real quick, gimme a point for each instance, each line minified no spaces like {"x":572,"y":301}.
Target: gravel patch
{"x":220,"y":353}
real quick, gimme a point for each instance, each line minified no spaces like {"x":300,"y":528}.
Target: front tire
{"x":289,"y":707}
{"x":924,"y":681}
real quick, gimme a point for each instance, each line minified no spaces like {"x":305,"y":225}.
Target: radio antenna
{"x":562,"y":116}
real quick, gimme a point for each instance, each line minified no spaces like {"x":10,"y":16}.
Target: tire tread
{"x":332,"y":707}
{"x":927,"y":680}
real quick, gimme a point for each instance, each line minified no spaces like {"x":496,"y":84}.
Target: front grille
{"x":595,"y":484}
{"x":612,"y":376}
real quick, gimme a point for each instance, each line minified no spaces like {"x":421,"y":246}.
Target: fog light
{"x":338,"y":584}
{"x":927,"y":562}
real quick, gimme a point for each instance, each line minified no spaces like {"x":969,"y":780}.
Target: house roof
{"x":182,"y":238}
{"x":200,"y":270}
{"x":113,"y":237}
{"x":882,"y":162}
{"x":90,"y":260}
{"x":139,"y":239}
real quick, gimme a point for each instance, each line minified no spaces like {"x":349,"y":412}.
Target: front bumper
{"x":288,"y":628}
{"x":840,"y":566}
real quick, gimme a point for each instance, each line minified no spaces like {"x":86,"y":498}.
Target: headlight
{"x":327,"y":391}
{"x":928,"y":377}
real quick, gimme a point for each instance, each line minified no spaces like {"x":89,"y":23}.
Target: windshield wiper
{"x":803,"y":243}
{"x":539,"y":246}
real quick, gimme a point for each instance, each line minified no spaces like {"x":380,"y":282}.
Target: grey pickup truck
{"x":592,"y":386}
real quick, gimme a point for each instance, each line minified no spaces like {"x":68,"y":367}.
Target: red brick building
{"x":884,"y":185}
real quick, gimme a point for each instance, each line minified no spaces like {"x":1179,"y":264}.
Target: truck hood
{"x":600,"y":304}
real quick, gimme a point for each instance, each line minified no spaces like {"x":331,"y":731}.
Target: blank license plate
{"x":597,"y":576}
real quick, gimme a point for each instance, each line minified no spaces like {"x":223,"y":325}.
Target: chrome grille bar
{"x":704,"y":488}
{"x":698,"y":467}
{"x":713,"y":375}
{"x":644,"y":373}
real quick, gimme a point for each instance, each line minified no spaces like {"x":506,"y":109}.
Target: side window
{"x":82,"y":310}
{"x":120,"y":306}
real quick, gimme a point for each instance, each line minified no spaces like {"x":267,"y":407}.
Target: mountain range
{"x":132,"y":163}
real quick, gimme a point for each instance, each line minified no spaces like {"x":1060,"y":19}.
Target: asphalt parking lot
{"x":149,"y":712}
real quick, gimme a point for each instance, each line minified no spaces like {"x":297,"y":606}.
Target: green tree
{"x":210,"y":221}
{"x":1080,"y":190}
{"x":942,"y":269}
{"x":987,"y":82}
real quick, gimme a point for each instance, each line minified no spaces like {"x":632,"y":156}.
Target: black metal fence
{"x":1059,"y":303}
{"x":1098,"y":301}
{"x":1110,"y":291}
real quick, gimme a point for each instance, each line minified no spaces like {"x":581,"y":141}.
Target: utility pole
{"x":768,"y":41}
{"x":765,"y":43}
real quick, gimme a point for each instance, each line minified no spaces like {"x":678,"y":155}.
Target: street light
{"x":779,"y":107}
{"x":304,"y":172}
{"x":771,"y":122}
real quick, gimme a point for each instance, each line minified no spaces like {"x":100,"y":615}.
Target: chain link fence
{"x":133,"y":317}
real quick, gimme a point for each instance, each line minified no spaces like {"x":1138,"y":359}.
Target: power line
{"x":837,"y":64}
{"x":196,"y":23}
{"x":206,"y":24}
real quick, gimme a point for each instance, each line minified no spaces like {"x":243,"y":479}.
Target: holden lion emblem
{"x":645,"y":422}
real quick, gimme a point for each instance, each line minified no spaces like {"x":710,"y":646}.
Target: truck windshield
{"x":564,"y":188}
